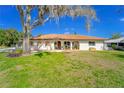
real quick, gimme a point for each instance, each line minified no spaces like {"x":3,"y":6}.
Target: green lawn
{"x":75,"y":69}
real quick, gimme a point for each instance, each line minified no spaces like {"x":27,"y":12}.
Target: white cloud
{"x":72,"y":29}
{"x":66,"y":29}
{"x":69,"y":29}
{"x":122,"y":19}
{"x":67,"y":33}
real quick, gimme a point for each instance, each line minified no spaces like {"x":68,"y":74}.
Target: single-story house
{"x":119,"y":42}
{"x":66,"y":42}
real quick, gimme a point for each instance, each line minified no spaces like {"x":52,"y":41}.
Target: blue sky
{"x":110,"y":21}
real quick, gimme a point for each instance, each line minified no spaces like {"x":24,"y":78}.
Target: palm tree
{"x":48,"y":12}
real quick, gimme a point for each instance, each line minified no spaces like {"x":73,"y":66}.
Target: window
{"x":121,"y":44}
{"x":91,"y":43}
{"x":75,"y":45}
{"x":39,"y":43}
{"x":66,"y":45}
{"x":47,"y":43}
{"x":31,"y":43}
{"x":109,"y":45}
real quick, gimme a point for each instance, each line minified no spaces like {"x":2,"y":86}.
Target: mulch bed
{"x":14,"y":55}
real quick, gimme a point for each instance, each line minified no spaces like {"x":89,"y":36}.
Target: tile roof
{"x":65,"y":37}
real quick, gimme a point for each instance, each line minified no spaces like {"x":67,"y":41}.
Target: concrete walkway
{"x":7,"y":49}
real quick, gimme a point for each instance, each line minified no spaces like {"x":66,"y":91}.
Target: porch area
{"x":54,"y":45}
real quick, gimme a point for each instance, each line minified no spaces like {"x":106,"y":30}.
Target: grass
{"x":75,"y":69}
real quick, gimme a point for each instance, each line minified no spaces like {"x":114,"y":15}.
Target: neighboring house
{"x":66,"y":42}
{"x":119,"y":42}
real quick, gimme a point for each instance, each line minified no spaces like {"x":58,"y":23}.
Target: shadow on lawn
{"x":119,"y":55}
{"x":42,"y":54}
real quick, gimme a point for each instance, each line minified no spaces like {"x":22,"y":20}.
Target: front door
{"x":59,"y":45}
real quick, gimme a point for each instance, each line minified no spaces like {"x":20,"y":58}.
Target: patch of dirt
{"x":19,"y":67}
{"x":93,"y":59}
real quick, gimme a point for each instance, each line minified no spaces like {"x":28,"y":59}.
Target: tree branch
{"x":21,"y":12}
{"x":39,"y":22}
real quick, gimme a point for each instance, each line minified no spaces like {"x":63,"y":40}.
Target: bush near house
{"x":114,"y":46}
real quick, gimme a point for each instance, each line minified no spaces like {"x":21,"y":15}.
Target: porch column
{"x":71,"y":45}
{"x":62,"y":44}
{"x":52,"y":45}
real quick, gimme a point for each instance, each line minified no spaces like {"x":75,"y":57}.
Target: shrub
{"x":114,"y":46}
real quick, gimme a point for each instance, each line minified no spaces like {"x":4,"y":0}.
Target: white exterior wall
{"x":52,"y":45}
{"x":99,"y":45}
{"x":84,"y":45}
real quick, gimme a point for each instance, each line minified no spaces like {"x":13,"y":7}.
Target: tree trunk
{"x":26,"y":42}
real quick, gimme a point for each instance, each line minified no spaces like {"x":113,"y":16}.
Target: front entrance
{"x":66,"y":45}
{"x":57,"y":45}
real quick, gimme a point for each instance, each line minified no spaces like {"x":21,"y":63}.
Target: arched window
{"x":75,"y":45}
{"x":47,"y":43}
{"x":67,"y":45}
{"x":39,"y":43}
